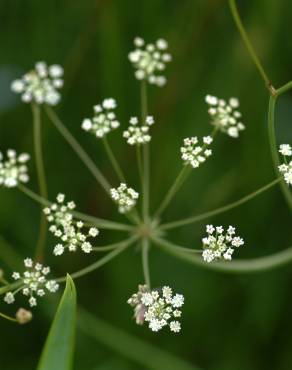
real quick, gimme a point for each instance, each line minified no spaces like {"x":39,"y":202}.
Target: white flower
{"x":193,"y":154}
{"x":14,"y":170}
{"x":150,"y":60}
{"x":285,"y":150}
{"x":224,"y":115}
{"x":40,"y":85}
{"x":104,"y":119}
{"x":32,"y":282}
{"x":157,"y":309}
{"x":125,"y":197}
{"x":67,"y":229}
{"x":286,"y":168}
{"x":137,"y":135}
{"x":218,"y":246}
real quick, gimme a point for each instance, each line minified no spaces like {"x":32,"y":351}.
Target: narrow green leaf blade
{"x":58,"y":350}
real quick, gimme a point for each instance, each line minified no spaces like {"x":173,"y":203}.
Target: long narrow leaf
{"x":58,"y":351}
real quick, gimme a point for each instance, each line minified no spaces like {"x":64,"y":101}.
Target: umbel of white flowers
{"x":40,"y":85}
{"x":286,"y":167}
{"x":14,"y":169}
{"x":125,"y":197}
{"x":225,"y":115}
{"x":193,"y":154}
{"x":137,"y":135}
{"x":67,"y":229}
{"x":219,"y":245}
{"x":159,"y":308}
{"x":149,"y":60}
{"x":33,"y":282}
{"x":104,"y":119}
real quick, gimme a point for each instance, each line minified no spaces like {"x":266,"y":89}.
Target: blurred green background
{"x":230,"y":322}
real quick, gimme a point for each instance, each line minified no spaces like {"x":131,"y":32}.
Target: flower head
{"x":33,"y":282}
{"x":286,"y":167}
{"x":159,"y":308}
{"x":23,"y":316}
{"x":225,"y":116}
{"x":149,"y":60}
{"x":136,"y":134}
{"x":14,"y":169}
{"x":194,"y":154}
{"x":125,"y":197}
{"x":40,"y":85}
{"x":219,"y":245}
{"x":67,"y":229}
{"x":104,"y":119}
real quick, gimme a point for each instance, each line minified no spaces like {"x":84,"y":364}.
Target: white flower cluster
{"x":286,"y":168}
{"x":150,"y":59}
{"x":137,"y":135}
{"x":125,"y":197}
{"x":217,"y":245}
{"x":194,"y":154}
{"x":40,"y":85}
{"x":14,"y":169}
{"x":32,"y":282}
{"x":225,"y":115}
{"x":69,"y":230}
{"x":159,"y":308}
{"x":104,"y":119}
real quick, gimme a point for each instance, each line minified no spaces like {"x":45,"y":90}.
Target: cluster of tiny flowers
{"x":137,"y":135}
{"x":104,"y":119}
{"x":225,"y":115}
{"x":194,"y":154}
{"x":125,"y":197}
{"x":14,"y":169}
{"x":33,"y":282}
{"x":217,"y":245}
{"x":40,"y":85}
{"x":150,"y":59}
{"x":65,"y":227}
{"x":159,"y":308}
{"x":286,"y":168}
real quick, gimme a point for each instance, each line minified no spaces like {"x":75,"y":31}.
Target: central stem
{"x":41,"y":178}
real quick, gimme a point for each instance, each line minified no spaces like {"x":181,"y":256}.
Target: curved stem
{"x":146,"y":154}
{"x":99,"y":222}
{"x":36,"y":112}
{"x":219,"y":210}
{"x":108,"y":257}
{"x":78,"y":149}
{"x":145,"y":262}
{"x":274,"y":151}
{"x":7,"y":317}
{"x":113,"y":160}
{"x":251,"y":50}
{"x":173,"y":190}
{"x":252,"y":265}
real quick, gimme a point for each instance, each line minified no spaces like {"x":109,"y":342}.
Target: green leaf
{"x":58,"y":351}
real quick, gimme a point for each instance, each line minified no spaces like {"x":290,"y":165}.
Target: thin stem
{"x":284,"y":88}
{"x":36,"y":112}
{"x":140,"y":165}
{"x":7,"y":317}
{"x":145,"y":262}
{"x":99,"y":222}
{"x":146,"y":154}
{"x":103,"y":248}
{"x":274,"y":151}
{"x":220,"y":210}
{"x":250,"y":48}
{"x":78,"y":149}
{"x":173,"y":190}
{"x":251,"y":265}
{"x":108,"y":257}
{"x":113,"y":160}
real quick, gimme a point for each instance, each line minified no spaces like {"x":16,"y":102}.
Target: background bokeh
{"x":230,"y":321}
